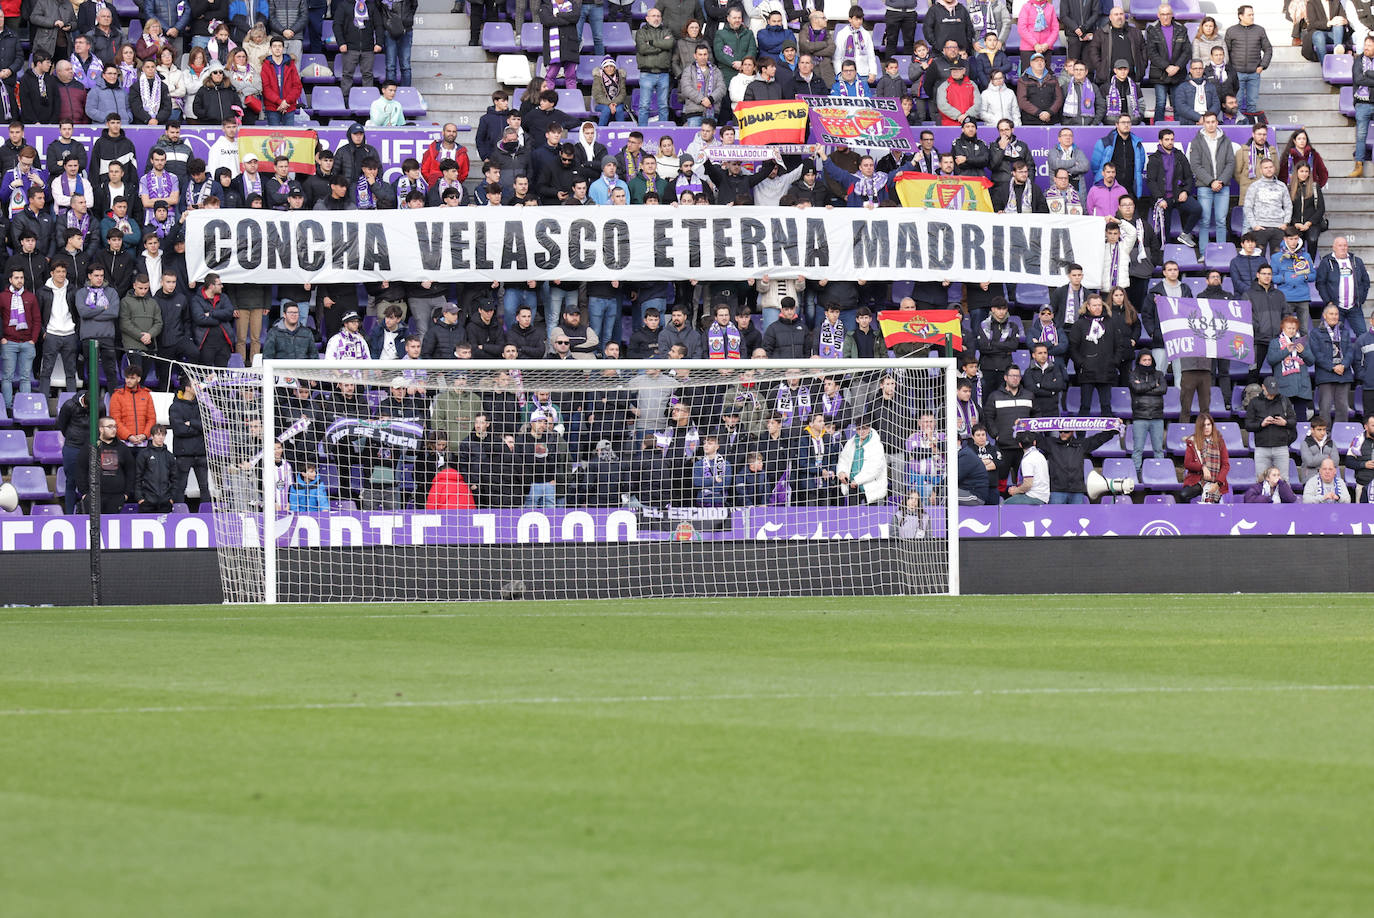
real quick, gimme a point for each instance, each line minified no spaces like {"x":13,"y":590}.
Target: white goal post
{"x":583,"y":478}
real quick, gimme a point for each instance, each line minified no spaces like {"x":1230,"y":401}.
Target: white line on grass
{"x":677,"y":699}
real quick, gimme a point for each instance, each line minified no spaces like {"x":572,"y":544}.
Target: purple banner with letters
{"x":521,"y":527}
{"x":394,"y":145}
{"x":1019,"y":521}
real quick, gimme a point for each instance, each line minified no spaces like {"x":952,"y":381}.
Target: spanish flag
{"x":946,"y":192}
{"x":920,"y":326}
{"x":296,"y":144}
{"x":772,"y":122}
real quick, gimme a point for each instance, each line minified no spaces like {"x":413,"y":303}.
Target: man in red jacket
{"x":446,"y":148}
{"x":18,"y":337}
{"x":281,"y":84}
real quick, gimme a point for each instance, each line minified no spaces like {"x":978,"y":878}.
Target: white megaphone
{"x":1098,"y":485}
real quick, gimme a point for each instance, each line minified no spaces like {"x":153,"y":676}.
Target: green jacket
{"x":639,"y":186}
{"x":732,"y":46}
{"x":654,"y":48}
{"x":139,"y":315}
{"x":284,"y":344}
{"x":454,"y":411}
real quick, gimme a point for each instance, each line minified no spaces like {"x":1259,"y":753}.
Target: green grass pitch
{"x":1051,"y":756}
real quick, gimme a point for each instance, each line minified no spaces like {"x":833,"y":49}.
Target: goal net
{"x":464,"y":480}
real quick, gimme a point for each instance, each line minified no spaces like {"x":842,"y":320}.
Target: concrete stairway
{"x":1293,"y":93}
{"x":456,"y":80}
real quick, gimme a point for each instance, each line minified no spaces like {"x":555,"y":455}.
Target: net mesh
{"x":414,"y":481}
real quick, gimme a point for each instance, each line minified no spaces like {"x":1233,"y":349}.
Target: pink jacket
{"x":1025,"y":25}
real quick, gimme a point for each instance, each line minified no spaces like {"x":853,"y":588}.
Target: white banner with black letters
{"x":639,"y":244}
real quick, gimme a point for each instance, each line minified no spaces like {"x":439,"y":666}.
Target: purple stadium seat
{"x":31,"y":483}
{"x":14,"y":448}
{"x":309,"y":62}
{"x":239,"y":364}
{"x":5,"y":419}
{"x":499,"y":38}
{"x":134,"y":31}
{"x":617,"y":38}
{"x":1171,"y":403}
{"x":46,"y":510}
{"x":1164,"y":499}
{"x":1118,"y":468}
{"x":180,"y":508}
{"x":328,"y":102}
{"x":873,"y":10}
{"x":331,"y":42}
{"x":630,"y":64}
{"x":1242,"y":473}
{"x":412,"y":102}
{"x":127,"y":10}
{"x":1071,"y":401}
{"x":1121,"y":401}
{"x":532,"y":38}
{"x":1033,"y":295}
{"x":1230,"y":434}
{"x":879,"y":34}
{"x":1219,"y":256}
{"x":1021,"y":359}
{"x":1189,"y":11}
{"x":1337,"y":69}
{"x":572,"y":102}
{"x":360,"y":99}
{"x":1112,"y":449}
{"x":1173,"y":437}
{"x":1185,"y":255}
{"x":1344,"y":433}
{"x":47,"y":447}
{"x":31,"y":410}
{"x":1347,"y":101}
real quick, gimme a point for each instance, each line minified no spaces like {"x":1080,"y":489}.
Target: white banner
{"x":639,"y":243}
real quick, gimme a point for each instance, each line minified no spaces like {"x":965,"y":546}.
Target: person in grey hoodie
{"x":98,"y":306}
{"x":1268,"y":208}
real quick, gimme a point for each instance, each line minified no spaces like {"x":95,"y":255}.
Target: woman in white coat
{"x":998,"y":101}
{"x":863,"y":464}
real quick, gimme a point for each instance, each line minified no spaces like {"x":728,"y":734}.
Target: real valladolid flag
{"x":296,"y":144}
{"x":771,"y":122}
{"x":920,"y":326}
{"x":947,"y":192}
{"x":1206,"y":328}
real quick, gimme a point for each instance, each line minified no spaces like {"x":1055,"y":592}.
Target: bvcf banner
{"x":860,"y":123}
{"x":1206,"y":328}
{"x":637,"y":244}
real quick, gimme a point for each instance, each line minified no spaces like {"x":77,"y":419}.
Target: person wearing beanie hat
{"x":601,"y":190}
{"x":611,"y":93}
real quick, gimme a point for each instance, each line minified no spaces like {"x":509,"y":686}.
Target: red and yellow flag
{"x":946,"y":192}
{"x":920,"y":326}
{"x":772,"y":122}
{"x":296,"y":144}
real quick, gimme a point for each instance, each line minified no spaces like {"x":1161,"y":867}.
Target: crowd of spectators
{"x":97,"y":251}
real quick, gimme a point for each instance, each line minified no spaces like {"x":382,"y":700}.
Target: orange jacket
{"x":133,"y":411}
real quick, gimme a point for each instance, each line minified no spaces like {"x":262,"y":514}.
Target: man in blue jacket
{"x":1124,"y":149}
{"x":1343,"y":282}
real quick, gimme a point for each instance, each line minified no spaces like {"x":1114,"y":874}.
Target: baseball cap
{"x":451,"y":309}
{"x":356,"y":128}
{"x":350,"y":316}
{"x":251,"y":158}
{"x":538,"y":415}
{"x":399,"y":382}
{"x":1121,"y":62}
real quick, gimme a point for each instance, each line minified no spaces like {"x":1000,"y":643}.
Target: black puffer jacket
{"x":1148,"y":385}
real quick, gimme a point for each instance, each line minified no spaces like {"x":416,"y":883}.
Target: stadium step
{"x":455,"y":79}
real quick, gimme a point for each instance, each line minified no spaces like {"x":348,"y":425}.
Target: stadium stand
{"x":1306,"y":100}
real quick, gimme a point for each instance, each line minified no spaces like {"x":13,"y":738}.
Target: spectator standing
{"x":1034,"y":472}
{"x":1169,"y":51}
{"x":1195,"y":96}
{"x":1337,"y":360}
{"x":398,"y":32}
{"x":281,"y":84}
{"x":654,"y":44}
{"x":116,"y":464}
{"x":1148,"y":386}
{"x":1363,"y":77}
{"x":1038,"y":26}
{"x":1343,"y":281}
{"x":854,"y":43}
{"x":359,"y":29}
{"x":562,"y":40}
{"x":1117,"y":41}
{"x":1079,"y":19}
{"x":1249,"y":51}
{"x":1288,"y":355}
{"x":1272,"y":422}
{"x":946,"y":20}
{"x":1038,"y":92}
